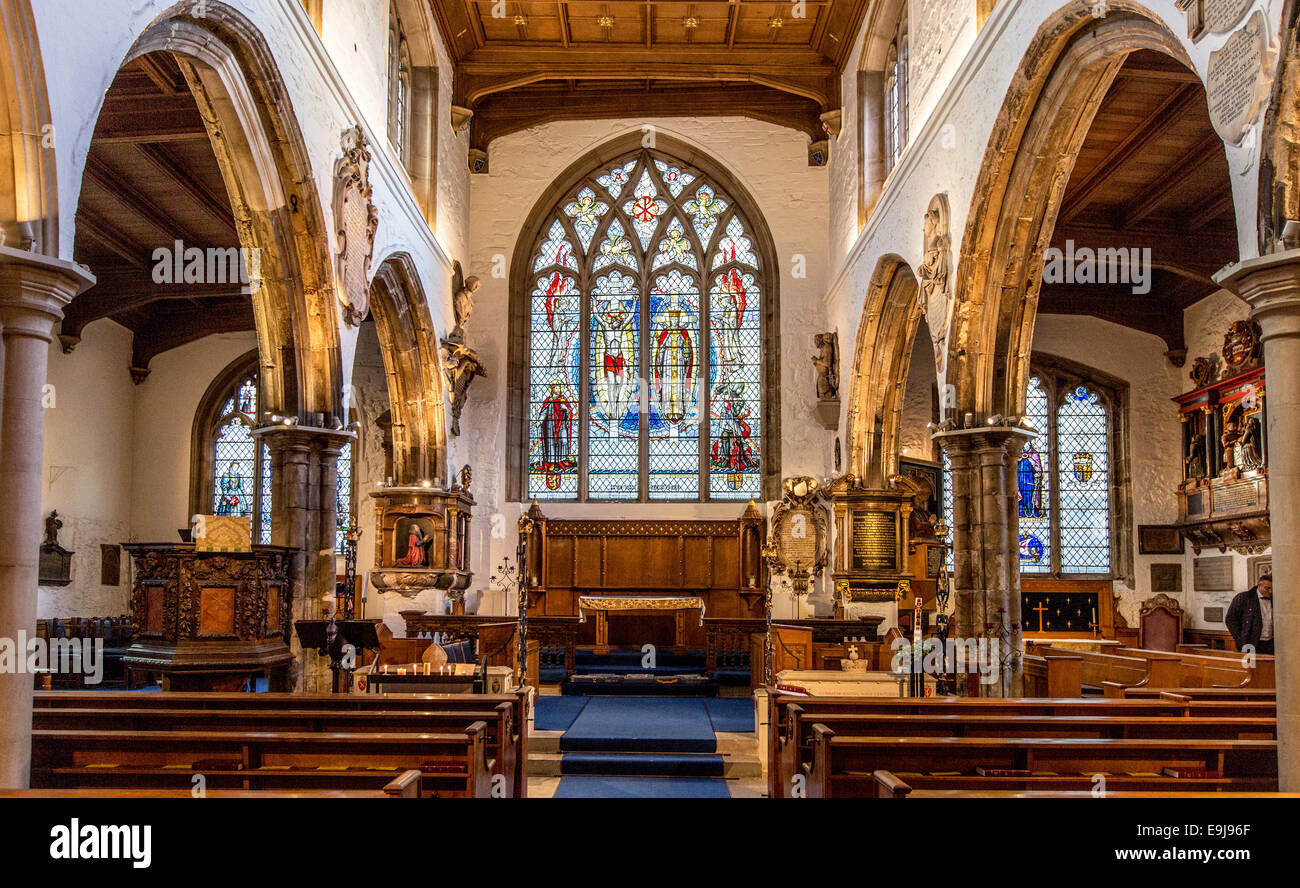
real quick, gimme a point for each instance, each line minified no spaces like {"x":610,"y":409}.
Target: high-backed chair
{"x":1160,"y":624}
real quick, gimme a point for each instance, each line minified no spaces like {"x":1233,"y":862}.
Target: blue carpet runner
{"x":641,"y":788}
{"x":640,"y":724}
{"x":620,"y":672}
{"x":637,"y":764}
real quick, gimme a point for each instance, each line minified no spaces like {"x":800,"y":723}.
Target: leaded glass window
{"x":896,"y":83}
{"x":344,"y":489}
{"x":645,"y":342}
{"x":1063,"y":479}
{"x":240,"y":484}
{"x":399,"y":87}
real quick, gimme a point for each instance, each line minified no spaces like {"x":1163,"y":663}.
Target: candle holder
{"x":770,"y":558}
{"x":509,"y":577}
{"x":942,"y":594}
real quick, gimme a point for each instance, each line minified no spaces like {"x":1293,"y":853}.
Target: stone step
{"x":734,"y":766}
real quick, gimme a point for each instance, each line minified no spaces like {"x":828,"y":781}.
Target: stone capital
{"x":1270,"y":285}
{"x":34,"y":290}
{"x":982,"y":439}
{"x":282,"y":436}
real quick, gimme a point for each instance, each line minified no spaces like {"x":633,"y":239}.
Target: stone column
{"x":304,"y":515}
{"x":33,"y":291}
{"x":985,"y":541}
{"x":1271,"y":286}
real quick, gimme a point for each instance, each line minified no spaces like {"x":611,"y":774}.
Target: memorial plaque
{"x":1237,"y":83}
{"x":1221,"y":16}
{"x":1212,"y":573}
{"x":1167,"y":577}
{"x":874,"y":541}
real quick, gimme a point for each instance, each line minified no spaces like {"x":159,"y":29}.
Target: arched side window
{"x":1067,"y":496}
{"x":648,"y":309}
{"x":231,"y":467}
{"x":895,"y":104}
{"x":399,"y":87}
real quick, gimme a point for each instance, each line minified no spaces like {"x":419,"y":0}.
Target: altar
{"x":602,"y":605}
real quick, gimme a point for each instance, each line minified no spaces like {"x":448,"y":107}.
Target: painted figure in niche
{"x":1194,"y":464}
{"x":556,"y":436}
{"x":613,"y":352}
{"x":673,"y":363}
{"x":1029,"y":483}
{"x":733,"y":450}
{"x":230,"y":491}
{"x":417,"y":544}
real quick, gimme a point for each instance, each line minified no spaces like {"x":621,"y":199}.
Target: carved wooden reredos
{"x":718,"y":560}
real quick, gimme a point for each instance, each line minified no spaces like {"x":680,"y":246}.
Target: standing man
{"x":1250,"y":617}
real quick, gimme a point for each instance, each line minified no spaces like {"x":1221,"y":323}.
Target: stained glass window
{"x":240,"y":483}
{"x":1063,"y":480}
{"x":344,"y":502}
{"x":645,"y":345}
{"x":1083,"y":464}
{"x":1033,"y":486}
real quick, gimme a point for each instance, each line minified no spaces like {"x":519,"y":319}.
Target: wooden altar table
{"x":601,"y":605}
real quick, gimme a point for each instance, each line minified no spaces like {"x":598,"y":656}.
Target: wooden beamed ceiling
{"x":536,"y":62}
{"x":151,"y":179}
{"x":1152,"y":174}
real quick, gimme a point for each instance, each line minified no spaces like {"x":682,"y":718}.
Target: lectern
{"x":328,"y":638}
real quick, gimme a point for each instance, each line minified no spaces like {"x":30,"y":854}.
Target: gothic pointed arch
{"x":413,"y":367}
{"x":891,"y":315}
{"x":654,"y":264}
{"x":29,"y":207}
{"x":267,"y":171}
{"x":1061,"y":81}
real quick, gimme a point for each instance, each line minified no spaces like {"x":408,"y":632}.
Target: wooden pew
{"x":843,"y":766}
{"x":1058,"y":675}
{"x":889,"y":786}
{"x":1203,"y":670}
{"x":453,"y":765}
{"x":796,"y":750}
{"x":514,"y":763}
{"x":500,"y":735}
{"x":778,"y":725}
{"x":406,"y":786}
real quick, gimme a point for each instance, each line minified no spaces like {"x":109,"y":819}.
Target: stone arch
{"x":891,"y":315}
{"x":1066,"y":71}
{"x":520,"y":267}
{"x":264,"y":161}
{"x":29,"y":206}
{"x":412,"y":364}
{"x":1279,"y":169}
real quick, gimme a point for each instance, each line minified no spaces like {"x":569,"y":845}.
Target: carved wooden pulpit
{"x":209,"y":621}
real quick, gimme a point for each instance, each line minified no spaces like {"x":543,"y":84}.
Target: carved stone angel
{"x":462,"y":302}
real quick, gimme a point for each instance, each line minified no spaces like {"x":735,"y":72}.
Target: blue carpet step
{"x":605,"y":669}
{"x":641,"y":724}
{"x":642,"y":788}
{"x":632,"y":659}
{"x":629,"y":764}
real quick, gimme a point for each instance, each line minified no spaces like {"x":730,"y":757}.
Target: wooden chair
{"x":1160,"y":625}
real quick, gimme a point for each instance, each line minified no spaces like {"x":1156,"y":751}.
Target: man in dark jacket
{"x":1250,"y":617}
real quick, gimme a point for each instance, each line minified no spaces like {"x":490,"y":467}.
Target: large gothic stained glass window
{"x":645,"y":340}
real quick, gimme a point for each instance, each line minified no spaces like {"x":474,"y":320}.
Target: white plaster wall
{"x":771,"y":163}
{"x":165,"y":406}
{"x":918,"y":401}
{"x":87,"y":466}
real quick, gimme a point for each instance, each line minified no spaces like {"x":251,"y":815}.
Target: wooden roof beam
{"x":1163,"y":116}
{"x":1155,"y":194}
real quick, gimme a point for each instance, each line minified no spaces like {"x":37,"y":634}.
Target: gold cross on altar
{"x":1040,"y":609}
